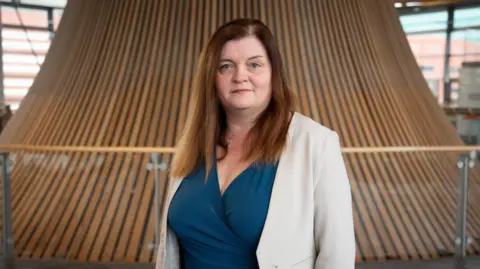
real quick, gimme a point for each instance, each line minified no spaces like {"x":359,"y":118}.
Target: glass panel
{"x":427,"y":44}
{"x":23,"y":55}
{"x":436,"y":86}
{"x":456,"y":63}
{"x":18,"y":82}
{"x":49,"y":3}
{"x":424,"y":21}
{"x":27,"y":17}
{"x":57,"y":16}
{"x":19,"y":34}
{"x":405,"y":203}
{"x":107,"y":205}
{"x":22,"y":59}
{"x":78,"y":201}
{"x":16,"y":92}
{"x":21,"y":69}
{"x":14,"y":106}
{"x":25,"y":45}
{"x":454,"y":87}
{"x":428,"y":48}
{"x":432,"y":69}
{"x":465,"y":42}
{"x":467,"y":17}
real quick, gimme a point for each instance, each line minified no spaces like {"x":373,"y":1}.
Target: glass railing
{"x":105,"y":204}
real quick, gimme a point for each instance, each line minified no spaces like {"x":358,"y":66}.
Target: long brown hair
{"x":206,"y":121}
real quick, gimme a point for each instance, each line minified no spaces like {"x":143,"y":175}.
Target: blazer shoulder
{"x":311,"y":128}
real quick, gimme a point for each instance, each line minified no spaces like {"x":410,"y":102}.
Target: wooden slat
{"x":404,"y":245}
{"x":119,"y":73}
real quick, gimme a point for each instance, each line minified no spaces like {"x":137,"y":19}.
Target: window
{"x":24,"y":48}
{"x":432,"y":70}
{"x":427,"y":34}
{"x":465,"y":42}
{"x":428,"y":44}
{"x":434,"y":85}
{"x":422,"y":22}
{"x":457,"y":61}
{"x":429,"y":51}
{"x":467,"y":17}
{"x":57,"y":16}
{"x":50,"y":3}
{"x":454,"y":91}
{"x":27,"y":17}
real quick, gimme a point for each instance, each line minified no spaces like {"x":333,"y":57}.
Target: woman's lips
{"x":241,"y":91}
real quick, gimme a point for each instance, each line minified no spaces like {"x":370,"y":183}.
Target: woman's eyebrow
{"x":250,"y":58}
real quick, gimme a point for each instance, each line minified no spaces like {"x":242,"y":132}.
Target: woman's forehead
{"x":245,"y":48}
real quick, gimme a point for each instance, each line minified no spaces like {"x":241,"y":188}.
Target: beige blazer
{"x":309,"y":224}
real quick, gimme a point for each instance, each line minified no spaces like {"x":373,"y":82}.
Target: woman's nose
{"x":240,"y":75}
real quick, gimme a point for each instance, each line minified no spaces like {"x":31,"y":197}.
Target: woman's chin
{"x":241,"y":105}
{"x":244,"y":107}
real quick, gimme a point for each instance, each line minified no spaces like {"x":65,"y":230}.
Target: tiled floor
{"x":471,"y":263}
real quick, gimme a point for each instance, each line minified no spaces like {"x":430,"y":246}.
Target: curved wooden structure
{"x":119,"y":73}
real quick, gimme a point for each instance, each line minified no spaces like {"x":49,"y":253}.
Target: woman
{"x":254,"y":185}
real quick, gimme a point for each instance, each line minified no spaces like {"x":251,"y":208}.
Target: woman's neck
{"x":239,"y":125}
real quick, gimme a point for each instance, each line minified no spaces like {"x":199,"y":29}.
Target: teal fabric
{"x":220,"y":232}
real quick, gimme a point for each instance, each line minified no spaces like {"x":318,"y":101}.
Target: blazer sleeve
{"x":334,"y":231}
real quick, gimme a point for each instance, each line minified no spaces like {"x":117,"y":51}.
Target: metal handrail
{"x":23,"y":147}
{"x":463,"y":164}
{"x":18,"y":147}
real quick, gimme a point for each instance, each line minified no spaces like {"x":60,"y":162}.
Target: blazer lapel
{"x":275,"y":241}
{"x":172,"y":187}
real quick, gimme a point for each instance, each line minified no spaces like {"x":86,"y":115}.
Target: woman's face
{"x":244,"y":75}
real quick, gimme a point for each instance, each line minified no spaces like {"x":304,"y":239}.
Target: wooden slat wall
{"x":119,"y":74}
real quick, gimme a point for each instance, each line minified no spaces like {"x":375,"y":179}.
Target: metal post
{"x":156,"y":200}
{"x":7,"y":235}
{"x":51,"y":27}
{"x":2,"y":77}
{"x":446,"y":64}
{"x":462,"y":199}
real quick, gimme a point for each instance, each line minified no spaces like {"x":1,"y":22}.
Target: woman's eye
{"x":255,"y":65}
{"x":225,"y":67}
